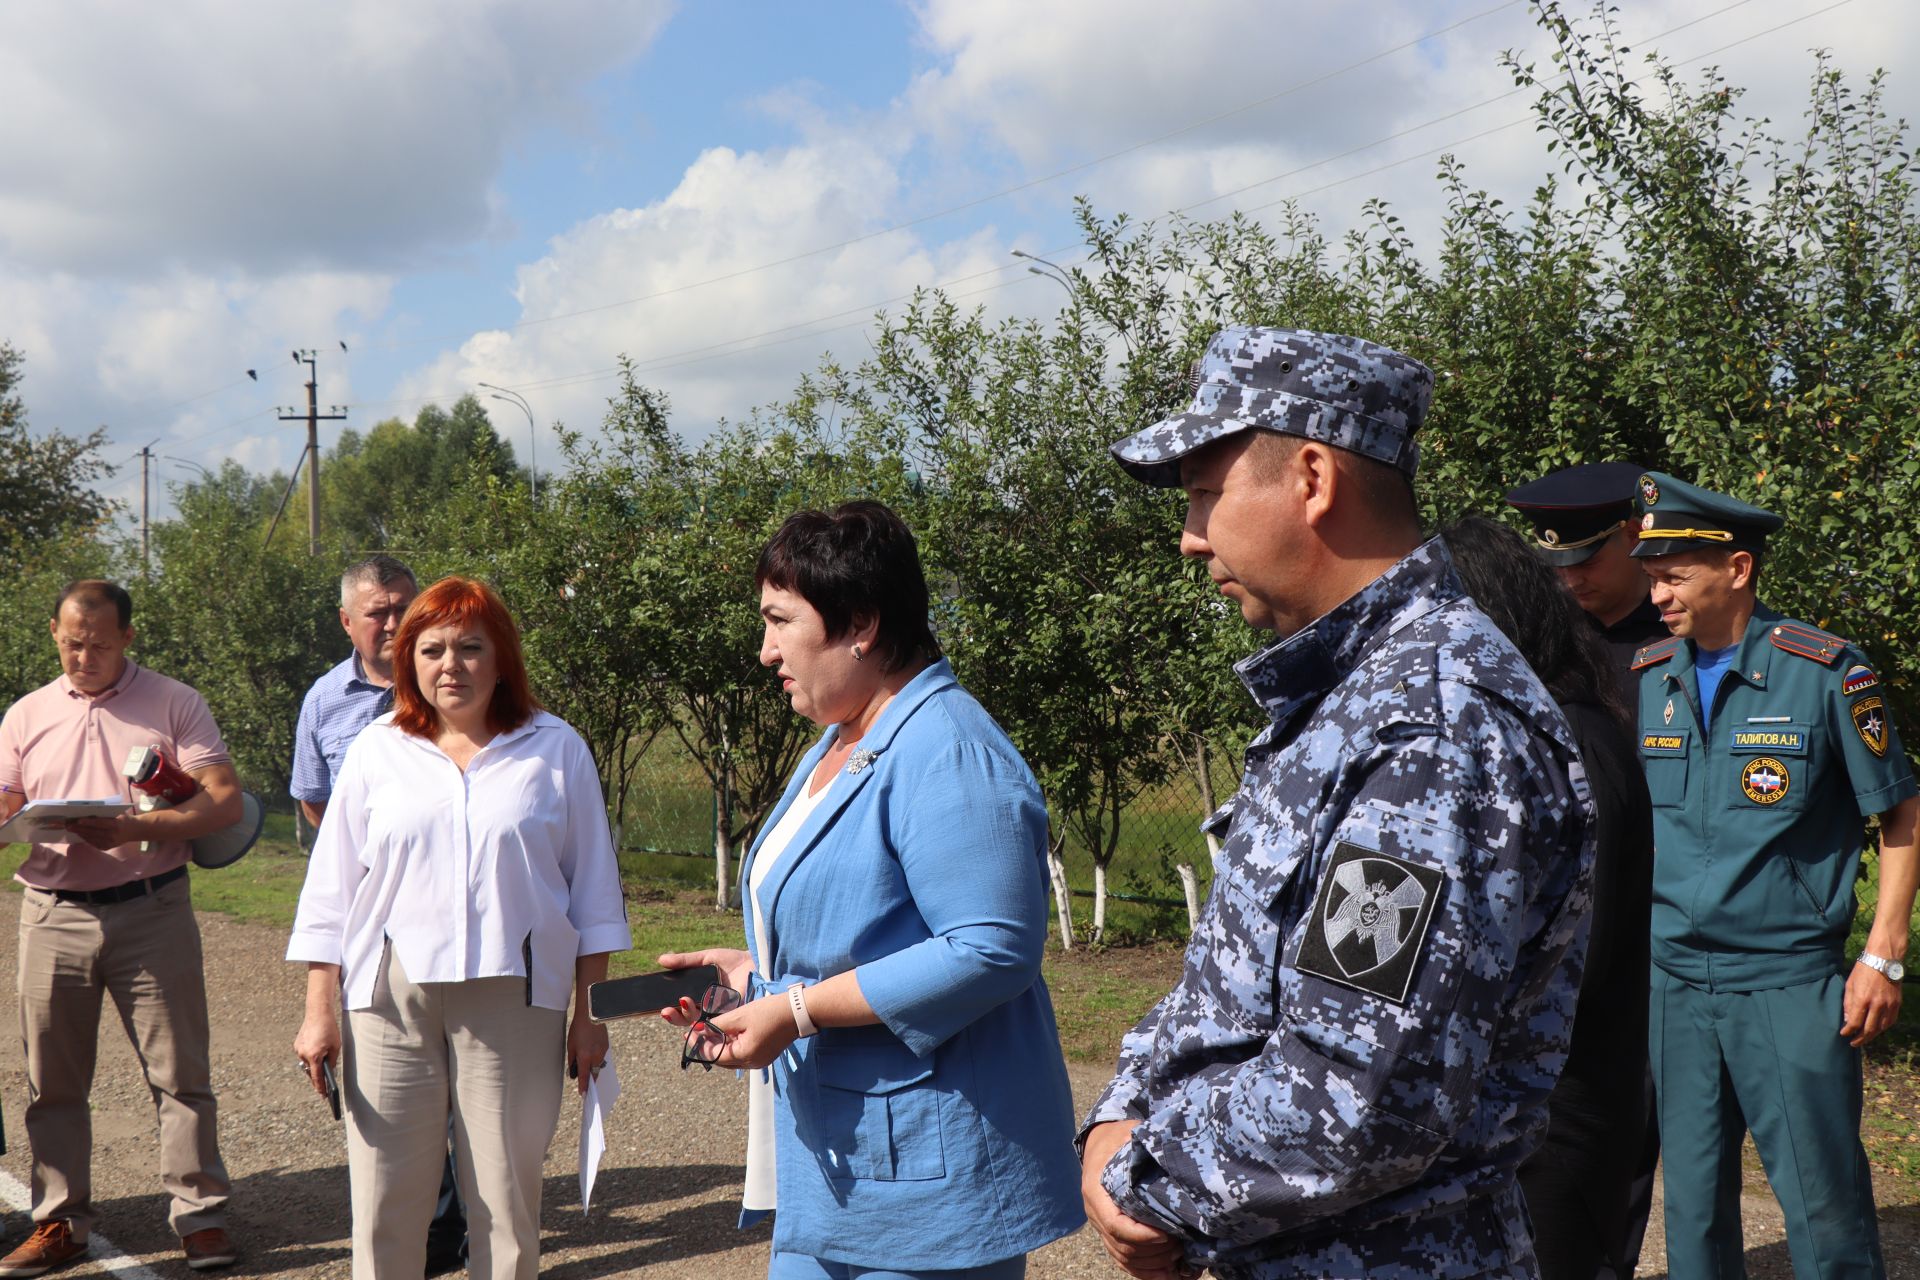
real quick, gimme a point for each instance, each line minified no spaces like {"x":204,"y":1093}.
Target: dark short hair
{"x":1525,"y":598}
{"x":381,"y":571}
{"x":855,"y":562}
{"x":91,"y":593}
{"x":1383,"y":487}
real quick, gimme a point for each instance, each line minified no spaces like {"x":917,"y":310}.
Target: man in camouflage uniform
{"x":1381,"y":991}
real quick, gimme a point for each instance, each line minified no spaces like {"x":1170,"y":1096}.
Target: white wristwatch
{"x":1891,"y":970}
{"x":797,"y":1001}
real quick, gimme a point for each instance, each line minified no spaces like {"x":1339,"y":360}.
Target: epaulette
{"x":1658,"y":651}
{"x":1807,"y":642}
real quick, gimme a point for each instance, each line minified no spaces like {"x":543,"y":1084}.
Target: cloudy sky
{"x":518,"y":193}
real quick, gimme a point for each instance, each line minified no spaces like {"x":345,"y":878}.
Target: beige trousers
{"x":476,"y":1049}
{"x":145,"y":954}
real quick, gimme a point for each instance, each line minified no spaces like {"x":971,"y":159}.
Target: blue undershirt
{"x":1708,"y":668}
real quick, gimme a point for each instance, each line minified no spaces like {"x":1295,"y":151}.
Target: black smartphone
{"x":333,"y":1085}
{"x":649,"y":992}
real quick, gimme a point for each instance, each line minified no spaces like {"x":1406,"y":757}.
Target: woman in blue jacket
{"x":917,"y":1118}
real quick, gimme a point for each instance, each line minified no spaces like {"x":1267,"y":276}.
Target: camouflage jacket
{"x":1380,"y":994}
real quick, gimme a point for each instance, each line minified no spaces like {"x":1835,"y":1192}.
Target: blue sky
{"x":195,"y":189}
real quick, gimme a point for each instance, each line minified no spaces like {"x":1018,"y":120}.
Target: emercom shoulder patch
{"x":1369,"y":921}
{"x":1870,"y":721}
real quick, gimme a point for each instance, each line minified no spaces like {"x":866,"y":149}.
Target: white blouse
{"x":507,"y":869}
{"x":760,"y":1191}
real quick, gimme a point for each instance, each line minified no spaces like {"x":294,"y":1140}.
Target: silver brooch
{"x":860,"y":759}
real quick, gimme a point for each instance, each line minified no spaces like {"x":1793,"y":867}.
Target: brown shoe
{"x":51,"y":1245}
{"x":208,"y":1248}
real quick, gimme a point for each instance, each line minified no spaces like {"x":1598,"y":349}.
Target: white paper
{"x":37,"y":819}
{"x":603,"y":1090}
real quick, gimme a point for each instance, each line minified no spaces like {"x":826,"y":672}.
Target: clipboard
{"x":39,"y":821}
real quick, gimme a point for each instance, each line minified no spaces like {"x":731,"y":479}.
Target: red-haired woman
{"x":462,"y":886}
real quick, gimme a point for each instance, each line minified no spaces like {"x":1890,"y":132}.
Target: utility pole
{"x":314,"y":418}
{"x":146,"y":462}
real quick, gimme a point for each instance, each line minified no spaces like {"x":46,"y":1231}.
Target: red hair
{"x":461,"y":602}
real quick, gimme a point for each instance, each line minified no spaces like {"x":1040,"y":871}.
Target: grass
{"x":1099,"y":995}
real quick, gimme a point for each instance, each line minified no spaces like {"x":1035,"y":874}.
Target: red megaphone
{"x":157,"y":780}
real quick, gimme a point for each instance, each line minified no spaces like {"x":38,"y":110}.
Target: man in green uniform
{"x":1765,"y":741}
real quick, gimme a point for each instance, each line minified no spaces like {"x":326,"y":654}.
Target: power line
{"x":977,"y":201}
{"x":1516,"y":123}
{"x":664,"y":363}
{"x":780,"y":335}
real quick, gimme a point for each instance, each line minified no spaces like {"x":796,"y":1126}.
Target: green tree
{"x":375,"y":487}
{"x":1052,"y":570}
{"x":250,"y":625}
{"x":708,"y":512}
{"x":45,"y":481}
{"x":567,"y":568}
{"x":1767,"y":293}
{"x":27,"y":593}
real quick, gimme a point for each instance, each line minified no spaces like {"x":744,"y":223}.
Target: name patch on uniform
{"x":1369,"y":921}
{"x":1857,"y":679}
{"x":1791,"y":738}
{"x":1765,"y":780}
{"x":1664,"y":744}
{"x":1870,"y":721}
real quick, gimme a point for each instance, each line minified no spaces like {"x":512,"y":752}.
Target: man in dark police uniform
{"x":1585,"y":526}
{"x":1381,"y":990}
{"x":1765,"y":741}
{"x":1590,"y":1212}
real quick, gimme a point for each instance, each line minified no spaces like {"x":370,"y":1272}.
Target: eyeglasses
{"x":703,"y":1044}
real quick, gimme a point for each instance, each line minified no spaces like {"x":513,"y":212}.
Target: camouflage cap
{"x":1321,"y":386}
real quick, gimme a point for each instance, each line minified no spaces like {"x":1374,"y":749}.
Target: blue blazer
{"x":943,"y":1137}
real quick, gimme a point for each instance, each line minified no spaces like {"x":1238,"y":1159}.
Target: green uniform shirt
{"x":1757,"y":824}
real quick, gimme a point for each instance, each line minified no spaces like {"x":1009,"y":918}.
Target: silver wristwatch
{"x":1891,"y":970}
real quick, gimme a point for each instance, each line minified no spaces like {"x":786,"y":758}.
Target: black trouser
{"x":447,"y":1236}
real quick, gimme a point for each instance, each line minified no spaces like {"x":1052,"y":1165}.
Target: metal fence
{"x":668,"y":824}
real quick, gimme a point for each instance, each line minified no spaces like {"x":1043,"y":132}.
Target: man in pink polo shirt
{"x":107,"y":912}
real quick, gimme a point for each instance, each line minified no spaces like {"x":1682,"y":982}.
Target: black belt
{"x":119,"y":892}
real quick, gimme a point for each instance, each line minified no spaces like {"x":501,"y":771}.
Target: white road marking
{"x":100,"y":1251}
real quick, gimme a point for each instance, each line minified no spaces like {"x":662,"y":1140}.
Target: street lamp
{"x":1051,"y":270}
{"x":533,"y":464}
{"x":205,"y":474}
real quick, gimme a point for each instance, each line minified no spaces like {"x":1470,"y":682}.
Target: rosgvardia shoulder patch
{"x":1369,"y":921}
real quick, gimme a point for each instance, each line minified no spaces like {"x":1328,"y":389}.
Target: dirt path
{"x":665,"y":1201}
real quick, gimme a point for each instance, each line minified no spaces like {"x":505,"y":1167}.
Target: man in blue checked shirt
{"x":1380,"y":994}
{"x":374,"y":595}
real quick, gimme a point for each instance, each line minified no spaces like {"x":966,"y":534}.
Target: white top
{"x":775,"y":848}
{"x":469,"y":874}
{"x":760,"y":1192}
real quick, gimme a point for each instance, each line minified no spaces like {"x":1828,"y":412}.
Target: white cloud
{"x":190,"y":181}
{"x":194,"y":187}
{"x":730,"y":213}
{"x":209,"y":135}
{"x":1040,"y":87}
